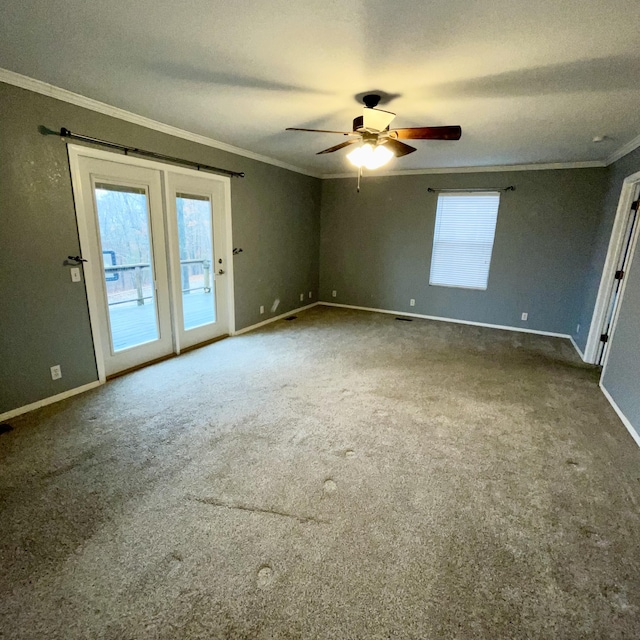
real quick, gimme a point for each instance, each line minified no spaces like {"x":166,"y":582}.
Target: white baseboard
{"x":50,"y":400}
{"x":625,"y":421}
{"x":577,"y":348}
{"x":270,"y":320}
{"x":454,"y":320}
{"x":91,"y":385}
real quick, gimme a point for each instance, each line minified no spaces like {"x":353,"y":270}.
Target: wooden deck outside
{"x":132,"y":325}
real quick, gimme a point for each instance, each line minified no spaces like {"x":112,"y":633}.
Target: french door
{"x":155,"y":241}
{"x":196,"y":227}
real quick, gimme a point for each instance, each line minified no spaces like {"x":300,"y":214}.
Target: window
{"x":463,"y":239}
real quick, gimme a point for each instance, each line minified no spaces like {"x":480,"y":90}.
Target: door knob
{"x":220,"y":271}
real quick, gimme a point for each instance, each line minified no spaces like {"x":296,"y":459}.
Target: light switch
{"x":75,"y":274}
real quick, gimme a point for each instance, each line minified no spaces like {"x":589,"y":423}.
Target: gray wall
{"x":43,"y":315}
{"x":622,"y":374}
{"x":376,"y":246}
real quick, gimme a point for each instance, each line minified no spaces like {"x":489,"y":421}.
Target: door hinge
{"x":635,"y":206}
{"x":619,"y":275}
{"x":604,"y":338}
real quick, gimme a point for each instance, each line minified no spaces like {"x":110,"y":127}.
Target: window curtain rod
{"x":430,"y":190}
{"x":65,"y":133}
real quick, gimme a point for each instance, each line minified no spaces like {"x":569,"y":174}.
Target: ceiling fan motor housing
{"x":372,"y":119}
{"x":371,"y":100}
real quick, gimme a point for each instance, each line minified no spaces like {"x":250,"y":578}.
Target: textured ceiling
{"x":528,"y":81}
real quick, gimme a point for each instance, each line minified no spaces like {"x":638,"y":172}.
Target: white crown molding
{"x":632,"y":145}
{"x":46,"y":89}
{"x":588,"y":164}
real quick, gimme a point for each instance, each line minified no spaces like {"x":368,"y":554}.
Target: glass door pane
{"x":197,"y":266}
{"x":125,"y":237}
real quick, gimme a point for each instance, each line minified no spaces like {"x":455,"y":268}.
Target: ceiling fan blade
{"x":342,"y":145}
{"x":427,"y":133}
{"x":399,"y":148}
{"x":376,"y":119}
{"x":344,"y":133}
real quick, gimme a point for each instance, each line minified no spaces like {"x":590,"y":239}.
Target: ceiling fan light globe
{"x":369,"y":156}
{"x":360,"y":155}
{"x":380,"y":156}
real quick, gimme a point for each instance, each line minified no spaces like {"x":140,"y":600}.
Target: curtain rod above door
{"x":65,"y":133}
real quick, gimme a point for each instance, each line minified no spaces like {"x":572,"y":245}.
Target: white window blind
{"x":463,"y":239}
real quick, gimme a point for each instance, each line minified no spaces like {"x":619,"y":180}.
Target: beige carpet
{"x":341,"y":475}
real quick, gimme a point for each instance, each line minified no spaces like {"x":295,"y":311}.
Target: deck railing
{"x":138,"y":278}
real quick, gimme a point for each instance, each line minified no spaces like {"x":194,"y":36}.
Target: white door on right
{"x":196,"y":224}
{"x":614,"y":294}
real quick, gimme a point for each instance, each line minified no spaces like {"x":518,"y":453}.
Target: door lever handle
{"x":78,"y":259}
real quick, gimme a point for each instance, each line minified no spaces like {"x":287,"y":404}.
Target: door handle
{"x":220,"y":272}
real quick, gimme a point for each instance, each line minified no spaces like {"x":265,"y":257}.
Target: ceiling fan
{"x":379,"y":143}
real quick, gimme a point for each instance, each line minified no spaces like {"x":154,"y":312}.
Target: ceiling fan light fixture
{"x":369,"y":156}
{"x":381,"y":155}
{"x":358,"y":156}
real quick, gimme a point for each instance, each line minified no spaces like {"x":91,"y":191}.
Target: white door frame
{"x":85,"y":209}
{"x":633,"y":245}
{"x":598,"y":319}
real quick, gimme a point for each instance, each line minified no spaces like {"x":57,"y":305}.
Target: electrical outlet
{"x":334,"y":293}
{"x":412,"y":303}
{"x":301,"y":297}
{"x":261,"y":308}
{"x":578,"y":329}
{"x":56,"y":372}
{"x":310,"y":294}
{"x":525,"y":316}
{"x":75,"y":274}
